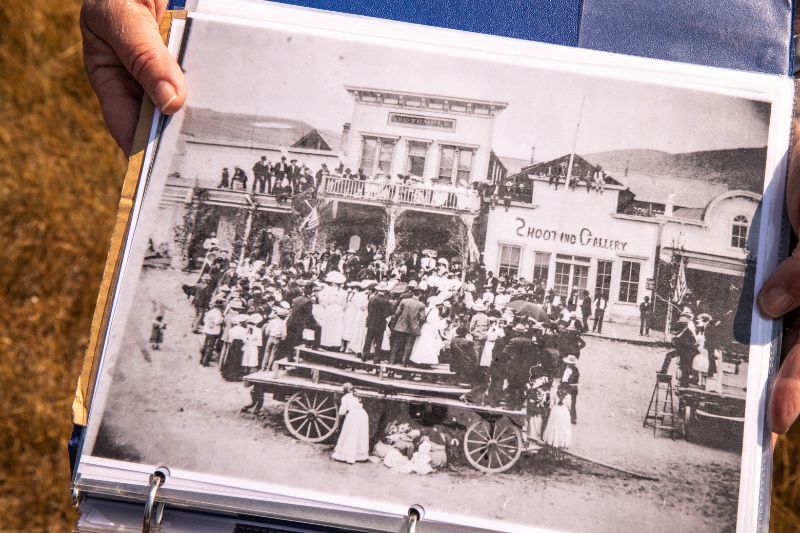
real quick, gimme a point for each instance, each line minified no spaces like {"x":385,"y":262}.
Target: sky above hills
{"x":303,"y":77}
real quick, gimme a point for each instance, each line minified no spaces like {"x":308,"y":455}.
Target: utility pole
{"x":574,"y":144}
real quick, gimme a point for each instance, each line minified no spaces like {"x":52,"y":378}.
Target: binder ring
{"x":157,"y":479}
{"x":414,"y":516}
{"x":77,"y":497}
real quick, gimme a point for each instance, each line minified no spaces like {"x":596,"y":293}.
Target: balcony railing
{"x":433,"y":197}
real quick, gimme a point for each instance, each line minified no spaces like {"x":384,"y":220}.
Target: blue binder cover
{"x":750,"y":35}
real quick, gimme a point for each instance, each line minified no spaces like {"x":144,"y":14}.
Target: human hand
{"x":780,"y":295}
{"x":125,"y":57}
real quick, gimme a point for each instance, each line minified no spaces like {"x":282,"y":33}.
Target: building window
{"x":739,"y":232}
{"x":417,"y":153}
{"x":571,"y":271}
{"x":509,"y":260}
{"x":603,"y":280}
{"x":455,"y":163}
{"x":629,"y":282}
{"x":376,"y":154}
{"x":541,"y":266}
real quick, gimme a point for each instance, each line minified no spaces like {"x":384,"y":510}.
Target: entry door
{"x":570,"y":271}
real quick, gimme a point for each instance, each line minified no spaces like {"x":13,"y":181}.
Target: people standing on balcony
{"x":280,"y":170}
{"x":293,"y":172}
{"x":225,"y":179}
{"x":322,"y":173}
{"x":240,"y":176}
{"x":260,"y":170}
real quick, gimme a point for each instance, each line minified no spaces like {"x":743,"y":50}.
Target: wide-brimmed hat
{"x":479,"y":307}
{"x":334,"y":276}
{"x":239,"y":318}
{"x":382,"y":287}
{"x":570,"y":360}
{"x":281,"y":312}
{"x":284,"y":304}
{"x":520,"y":328}
{"x":683,"y":319}
{"x":413,"y":284}
{"x":255,"y":318}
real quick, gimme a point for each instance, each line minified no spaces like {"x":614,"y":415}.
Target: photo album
{"x":384,"y":277}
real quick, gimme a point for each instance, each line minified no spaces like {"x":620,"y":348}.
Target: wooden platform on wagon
{"x":435,"y":374}
{"x":295,"y":383}
{"x":364,"y":378}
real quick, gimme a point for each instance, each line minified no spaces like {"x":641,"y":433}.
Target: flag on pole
{"x":391,"y":242}
{"x":680,"y":284}
{"x":474,"y":252}
{"x":311,"y":221}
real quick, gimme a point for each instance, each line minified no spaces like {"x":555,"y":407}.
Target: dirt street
{"x":194,"y":417}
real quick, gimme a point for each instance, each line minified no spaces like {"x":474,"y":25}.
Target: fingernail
{"x":164,"y":95}
{"x":775,"y":302}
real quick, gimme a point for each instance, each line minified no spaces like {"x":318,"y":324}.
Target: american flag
{"x":311,"y":221}
{"x":680,"y":284}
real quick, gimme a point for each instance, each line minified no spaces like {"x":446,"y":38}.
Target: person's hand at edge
{"x":780,"y":295}
{"x":125,"y":57}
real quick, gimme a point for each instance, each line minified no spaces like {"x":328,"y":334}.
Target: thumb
{"x":131,"y":29}
{"x":781,"y":293}
{"x":785,"y":398}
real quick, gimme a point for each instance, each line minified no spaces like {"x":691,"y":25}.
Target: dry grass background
{"x":60,"y":177}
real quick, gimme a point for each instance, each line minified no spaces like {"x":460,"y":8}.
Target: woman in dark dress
{"x":231,"y":366}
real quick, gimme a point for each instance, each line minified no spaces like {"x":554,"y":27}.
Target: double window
{"x":417,"y":154}
{"x":603,"y":279}
{"x":739,"y":232}
{"x":629,"y":282}
{"x":509,"y":260}
{"x":571,"y":271}
{"x":541,"y":266}
{"x":455,"y":163}
{"x":376,"y":154}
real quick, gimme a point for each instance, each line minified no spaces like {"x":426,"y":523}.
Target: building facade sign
{"x":421,"y":121}
{"x":583,"y":237}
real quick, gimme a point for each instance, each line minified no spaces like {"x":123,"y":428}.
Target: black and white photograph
{"x":405,"y":274}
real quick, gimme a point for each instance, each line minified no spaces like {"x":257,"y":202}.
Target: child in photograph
{"x":275,"y":332}
{"x":558,"y":432}
{"x":157,"y":332}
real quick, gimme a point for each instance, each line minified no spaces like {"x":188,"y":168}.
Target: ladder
{"x":661,"y":410}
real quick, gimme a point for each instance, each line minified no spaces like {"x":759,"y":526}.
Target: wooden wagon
{"x":309,"y":385}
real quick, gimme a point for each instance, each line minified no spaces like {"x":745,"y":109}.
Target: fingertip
{"x":775,"y":301}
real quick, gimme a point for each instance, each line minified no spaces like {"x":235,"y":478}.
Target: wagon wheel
{"x":311,"y":416}
{"x":492,"y":445}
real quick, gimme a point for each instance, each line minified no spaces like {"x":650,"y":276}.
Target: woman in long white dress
{"x":353,"y":442}
{"x":355,"y":320}
{"x":333,"y":298}
{"x":252,"y":342}
{"x":558,"y":432}
{"x":359,"y":324}
{"x":426,"y":349}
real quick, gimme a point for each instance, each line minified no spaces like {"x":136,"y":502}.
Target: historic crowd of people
{"x":508,"y":340}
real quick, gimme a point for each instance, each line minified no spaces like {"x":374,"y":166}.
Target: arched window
{"x":739,"y":232}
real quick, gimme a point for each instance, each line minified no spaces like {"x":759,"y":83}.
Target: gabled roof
{"x":580,"y":167}
{"x":319,"y":140}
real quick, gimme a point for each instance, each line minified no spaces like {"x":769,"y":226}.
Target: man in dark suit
{"x":379,"y":309}
{"x":408,"y":320}
{"x":280,"y":171}
{"x":260,"y":170}
{"x":294,"y":175}
{"x":300,"y":318}
{"x":644,"y":317}
{"x":572,"y":300}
